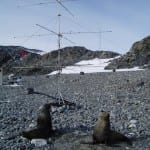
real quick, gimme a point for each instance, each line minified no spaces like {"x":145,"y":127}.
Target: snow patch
{"x":91,"y":66}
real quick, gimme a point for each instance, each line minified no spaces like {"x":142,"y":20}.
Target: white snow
{"x":36,"y":52}
{"x":91,"y":66}
{"x":42,"y":53}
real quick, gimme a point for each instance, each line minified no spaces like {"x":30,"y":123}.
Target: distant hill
{"x":69,"y":56}
{"x":138,"y":55}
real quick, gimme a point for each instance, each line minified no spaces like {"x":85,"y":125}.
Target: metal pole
{"x":1,"y":76}
{"x":59,"y":35}
{"x":59,"y":53}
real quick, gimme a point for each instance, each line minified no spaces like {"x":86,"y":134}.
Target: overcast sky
{"x":129,"y":21}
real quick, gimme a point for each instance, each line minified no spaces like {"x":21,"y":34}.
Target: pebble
{"x":132,"y":126}
{"x":39,"y":142}
{"x":32,"y":125}
{"x":133,"y":121}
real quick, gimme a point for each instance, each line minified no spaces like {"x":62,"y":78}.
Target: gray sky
{"x":129,"y":21}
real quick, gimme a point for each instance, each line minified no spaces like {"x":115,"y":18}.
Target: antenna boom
{"x":58,"y":34}
{"x":65,"y":8}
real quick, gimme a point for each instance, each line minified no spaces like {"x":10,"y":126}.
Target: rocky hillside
{"x":138,"y":55}
{"x":14,"y":53}
{"x":11,"y":56}
{"x":69,"y":56}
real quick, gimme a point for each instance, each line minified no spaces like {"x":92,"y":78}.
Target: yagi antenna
{"x":48,"y":30}
{"x":60,"y":35}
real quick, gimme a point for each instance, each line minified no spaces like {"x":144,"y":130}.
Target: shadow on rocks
{"x":60,"y":132}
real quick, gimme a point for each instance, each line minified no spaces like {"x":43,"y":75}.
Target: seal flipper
{"x":116,"y":137}
{"x":38,"y":133}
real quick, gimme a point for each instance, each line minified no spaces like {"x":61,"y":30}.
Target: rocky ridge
{"x":138,"y":55}
{"x":69,"y":56}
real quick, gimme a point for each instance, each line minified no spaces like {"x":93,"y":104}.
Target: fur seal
{"x":44,"y":124}
{"x":102,"y":129}
{"x":44,"y":127}
{"x":103,"y":134}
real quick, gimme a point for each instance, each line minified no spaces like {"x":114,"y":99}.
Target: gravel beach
{"x":125,"y":95}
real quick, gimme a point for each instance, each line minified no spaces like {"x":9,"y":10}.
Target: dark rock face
{"x":138,"y":55}
{"x":13,"y":53}
{"x":7,"y":53}
{"x":68,"y":56}
{"x":10,"y":56}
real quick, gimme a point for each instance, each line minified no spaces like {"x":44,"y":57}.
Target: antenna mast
{"x":59,"y":34}
{"x":59,"y":43}
{"x":59,"y":5}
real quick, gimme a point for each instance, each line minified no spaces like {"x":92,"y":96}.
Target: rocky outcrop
{"x":71,"y":55}
{"x":138,"y":55}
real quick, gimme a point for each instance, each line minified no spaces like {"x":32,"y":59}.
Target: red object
{"x":23,"y":53}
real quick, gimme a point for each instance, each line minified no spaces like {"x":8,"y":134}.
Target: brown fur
{"x":102,"y":129}
{"x":44,"y":119}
